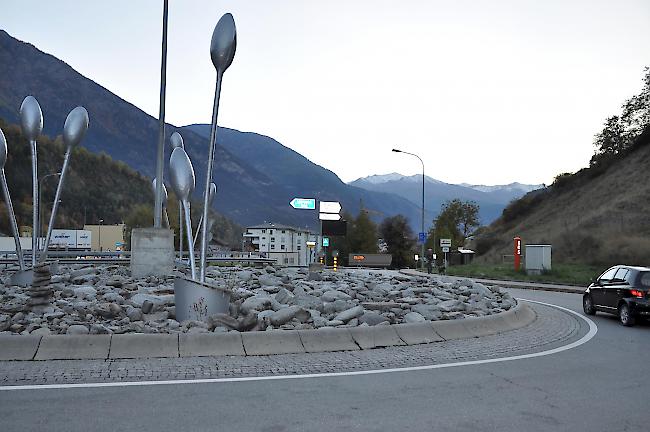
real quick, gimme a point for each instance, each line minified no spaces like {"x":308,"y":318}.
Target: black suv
{"x":621,"y":290}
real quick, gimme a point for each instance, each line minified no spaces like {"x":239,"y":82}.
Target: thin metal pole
{"x":35,"y":219}
{"x":208,"y":177}
{"x":422,"y":256}
{"x":12,"y":219}
{"x":190,"y":244}
{"x":180,"y":230}
{"x":55,"y":206}
{"x":161,"y":123}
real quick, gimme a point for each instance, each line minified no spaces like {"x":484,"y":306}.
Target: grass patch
{"x":571,"y":274}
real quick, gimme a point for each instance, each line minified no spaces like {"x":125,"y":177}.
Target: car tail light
{"x":637,"y":293}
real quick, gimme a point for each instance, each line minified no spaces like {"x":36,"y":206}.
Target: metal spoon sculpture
{"x":213,"y":193}
{"x":31,"y":121}
{"x":181,"y":174}
{"x":222,"y":52}
{"x":176,"y":140}
{"x":74,"y":130}
{"x":10,"y":207}
{"x":164,"y":201}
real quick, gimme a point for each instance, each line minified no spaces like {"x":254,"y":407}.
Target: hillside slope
{"x":598,"y":216}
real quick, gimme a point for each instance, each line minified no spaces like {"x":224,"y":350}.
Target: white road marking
{"x":593,"y":329}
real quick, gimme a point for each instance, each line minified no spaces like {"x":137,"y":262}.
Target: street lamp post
{"x":100,"y":234}
{"x":422,"y":231}
{"x":40,"y":196}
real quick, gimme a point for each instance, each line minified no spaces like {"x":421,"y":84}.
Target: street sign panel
{"x":303,"y":203}
{"x":329,"y":207}
{"x":334,"y":228}
{"x":326,"y":241}
{"x":445,"y":249}
{"x":329,"y":216}
{"x":445,"y":242}
{"x":421,"y":237}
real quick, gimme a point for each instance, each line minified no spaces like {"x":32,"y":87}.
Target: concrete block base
{"x":18,"y":347}
{"x":325,"y":340}
{"x":152,"y":252}
{"x":272,"y":342}
{"x":211,"y":344}
{"x":74,"y":347}
{"x":376,"y":337}
{"x":130,"y":346}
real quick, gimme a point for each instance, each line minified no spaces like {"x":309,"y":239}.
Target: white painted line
{"x":593,"y":329}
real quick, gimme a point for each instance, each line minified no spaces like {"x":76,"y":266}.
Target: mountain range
{"x":257,"y":176}
{"x":491,"y":199}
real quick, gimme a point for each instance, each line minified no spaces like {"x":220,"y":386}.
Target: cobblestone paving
{"x":551,"y":328}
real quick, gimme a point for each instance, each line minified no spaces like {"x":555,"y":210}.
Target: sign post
{"x":445,"y":244}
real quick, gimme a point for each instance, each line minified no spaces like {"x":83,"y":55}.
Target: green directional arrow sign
{"x":303,"y":203}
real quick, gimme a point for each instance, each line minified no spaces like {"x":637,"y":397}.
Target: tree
{"x":457,"y":220}
{"x":362,"y":234}
{"x":400,"y":240}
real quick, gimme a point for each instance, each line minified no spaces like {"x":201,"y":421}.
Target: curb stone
{"x":258,"y":343}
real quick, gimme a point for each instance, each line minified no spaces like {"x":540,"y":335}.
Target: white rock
{"x":347,"y":315}
{"x":413,"y":317}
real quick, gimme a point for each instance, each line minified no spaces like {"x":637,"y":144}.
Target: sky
{"x":485,"y":92}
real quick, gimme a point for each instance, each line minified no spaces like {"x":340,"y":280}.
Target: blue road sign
{"x":303,"y":203}
{"x":421,"y":237}
{"x":326,"y":241}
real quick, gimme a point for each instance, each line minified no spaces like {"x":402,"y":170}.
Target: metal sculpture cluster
{"x":31,"y":120}
{"x":222,"y":52}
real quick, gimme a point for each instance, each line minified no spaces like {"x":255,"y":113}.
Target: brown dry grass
{"x":601,"y":220}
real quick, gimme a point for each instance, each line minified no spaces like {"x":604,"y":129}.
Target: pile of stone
{"x":40,"y":293}
{"x":106,"y":299}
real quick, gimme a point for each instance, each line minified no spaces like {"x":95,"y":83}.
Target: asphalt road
{"x":597,"y":386}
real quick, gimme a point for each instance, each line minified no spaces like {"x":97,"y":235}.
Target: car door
{"x":617,"y":288}
{"x":600,"y":286}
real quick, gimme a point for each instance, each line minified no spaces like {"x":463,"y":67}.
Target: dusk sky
{"x":485,"y":92}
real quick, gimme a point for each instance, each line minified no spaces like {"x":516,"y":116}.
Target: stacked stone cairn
{"x":41,"y":293}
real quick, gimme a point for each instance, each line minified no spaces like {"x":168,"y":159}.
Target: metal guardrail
{"x":118,"y":257}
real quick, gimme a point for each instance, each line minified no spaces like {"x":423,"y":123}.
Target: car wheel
{"x":625,"y":315}
{"x":588,"y":305}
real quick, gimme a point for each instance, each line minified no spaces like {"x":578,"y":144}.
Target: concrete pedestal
{"x":152,"y":252}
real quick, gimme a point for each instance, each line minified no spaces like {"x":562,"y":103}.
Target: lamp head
{"x":397,"y":151}
{"x":176,"y":140}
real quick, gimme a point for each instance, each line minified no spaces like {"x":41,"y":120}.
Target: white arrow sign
{"x":329,"y":216}
{"x":330,"y":207}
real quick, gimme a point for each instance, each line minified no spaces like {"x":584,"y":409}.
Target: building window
{"x":263,"y":231}
{"x":286,"y":260}
{"x":263,"y":245}
{"x":298,"y":247}
{"x":270,"y":231}
{"x":283,"y":231}
{"x":272,"y":246}
{"x":299,"y":234}
{"x":291,"y":260}
{"x":263,"y":238}
{"x":282,"y":247}
{"x":272,"y":239}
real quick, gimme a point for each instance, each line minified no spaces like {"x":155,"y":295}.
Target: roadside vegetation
{"x":567,"y":274}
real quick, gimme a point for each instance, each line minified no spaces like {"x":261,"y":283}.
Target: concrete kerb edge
{"x":286,"y":341}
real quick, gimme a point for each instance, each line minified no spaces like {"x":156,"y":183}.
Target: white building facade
{"x":289,"y":246}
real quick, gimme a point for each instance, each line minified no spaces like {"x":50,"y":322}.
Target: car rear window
{"x":644,"y":279}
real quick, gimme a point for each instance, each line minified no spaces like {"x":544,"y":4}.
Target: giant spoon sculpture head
{"x":181,"y":174}
{"x":31,"y":118}
{"x":7,"y":196}
{"x":31,"y":121}
{"x":74,"y":130}
{"x":222,"y":52}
